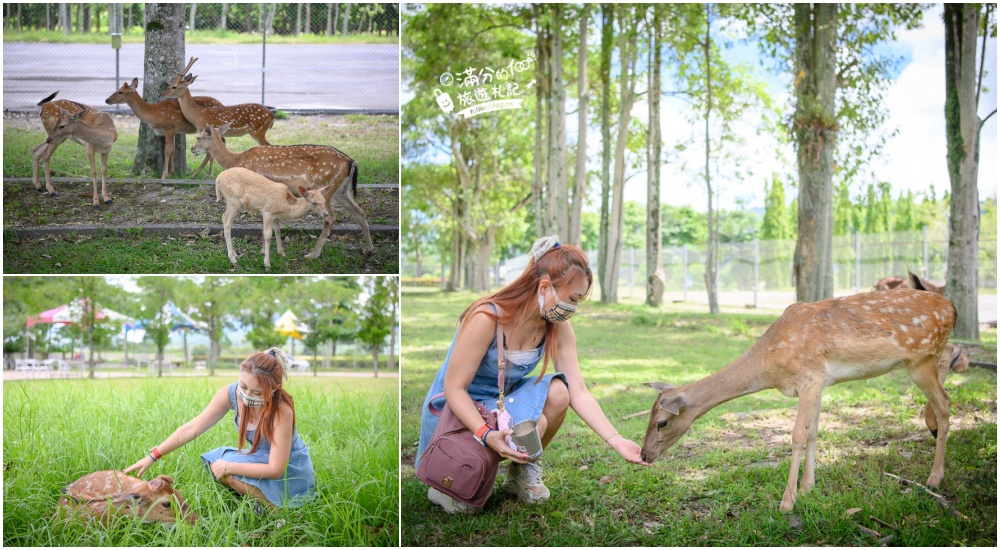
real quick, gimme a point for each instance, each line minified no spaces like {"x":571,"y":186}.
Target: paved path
{"x":300,"y":76}
{"x":10,"y":375}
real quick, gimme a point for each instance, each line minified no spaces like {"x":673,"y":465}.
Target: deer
{"x":165,"y":118}
{"x":110,"y":493}
{"x":96,"y":130}
{"x":50,"y":117}
{"x":310,"y":166}
{"x":245,"y":118}
{"x":815,"y":345}
{"x":243,"y":189}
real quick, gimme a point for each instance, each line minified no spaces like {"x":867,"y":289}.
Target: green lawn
{"x":136,"y":36}
{"x":722,"y":483}
{"x":55,"y":431}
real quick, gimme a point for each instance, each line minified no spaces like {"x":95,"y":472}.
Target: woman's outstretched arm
{"x":213,"y":413}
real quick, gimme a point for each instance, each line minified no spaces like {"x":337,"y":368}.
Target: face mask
{"x":249,"y":401}
{"x":562,"y":311}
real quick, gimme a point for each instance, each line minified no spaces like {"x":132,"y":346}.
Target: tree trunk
{"x":391,"y":360}
{"x":558,"y":198}
{"x":298,"y":18}
{"x":65,"y":17}
{"x":336,"y":17}
{"x":329,"y":19}
{"x":575,"y":235}
{"x":607,"y":43}
{"x":213,"y":356}
{"x":90,"y":347}
{"x":222,"y":16}
{"x":347,"y":17}
{"x":194,"y":9}
{"x":712,"y":255}
{"x":164,"y":58}
{"x":159,"y":350}
{"x":616,"y":220}
{"x":815,"y":129}
{"x":48,"y":18}
{"x":86,"y":18}
{"x":375,"y":359}
{"x":541,"y":72}
{"x":79,"y":18}
{"x":308,"y":27}
{"x":333,"y":352}
{"x":962,"y":126}
{"x":655,"y":277}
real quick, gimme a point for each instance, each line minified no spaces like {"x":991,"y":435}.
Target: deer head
{"x":667,"y":420}
{"x":122,"y":94}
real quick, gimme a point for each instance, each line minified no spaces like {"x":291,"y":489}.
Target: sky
{"x":913,"y":160}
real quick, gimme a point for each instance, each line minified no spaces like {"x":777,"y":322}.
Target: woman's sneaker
{"x":449,"y":504}
{"x":525,"y":481}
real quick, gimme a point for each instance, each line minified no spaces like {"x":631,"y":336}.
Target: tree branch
{"x":982,"y":57}
{"x":983,"y":122}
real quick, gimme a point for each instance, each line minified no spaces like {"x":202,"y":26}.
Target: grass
{"x":136,"y":36}
{"x":57,"y":431}
{"x":722,"y":483}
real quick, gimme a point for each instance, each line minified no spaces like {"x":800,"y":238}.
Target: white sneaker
{"x":449,"y":504}
{"x":525,"y":481}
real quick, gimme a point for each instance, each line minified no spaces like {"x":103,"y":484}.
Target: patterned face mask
{"x":249,"y":401}
{"x":562,"y":311}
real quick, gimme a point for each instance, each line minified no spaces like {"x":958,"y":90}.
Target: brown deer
{"x":165,"y":118}
{"x":816,"y":345}
{"x":97,"y":132}
{"x":50,"y":116}
{"x":245,"y":118}
{"x":311,"y":166}
{"x":246,"y":190}
{"x":109,"y":493}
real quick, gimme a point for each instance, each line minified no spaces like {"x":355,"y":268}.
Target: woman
{"x":533,"y":312}
{"x":276,"y":469}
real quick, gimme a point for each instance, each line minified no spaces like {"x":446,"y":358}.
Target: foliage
{"x":377,"y":315}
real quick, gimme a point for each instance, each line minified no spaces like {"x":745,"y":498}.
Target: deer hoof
{"x":40,"y":189}
{"x":97,"y":207}
{"x":109,"y":201}
{"x":52,"y":194}
{"x":934,"y":433}
{"x":312,"y":255}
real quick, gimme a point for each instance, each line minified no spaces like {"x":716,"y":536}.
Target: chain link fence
{"x":758,"y":273}
{"x":335,"y":57}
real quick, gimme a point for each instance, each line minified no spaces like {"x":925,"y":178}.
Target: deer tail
{"x":915,"y":281}
{"x":48,"y":99}
{"x":354,"y":178}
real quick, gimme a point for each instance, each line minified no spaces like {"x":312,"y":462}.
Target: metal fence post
{"x":927,"y":266}
{"x":756,"y":270}
{"x":857,"y":261}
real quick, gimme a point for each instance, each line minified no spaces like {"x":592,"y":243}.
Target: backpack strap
{"x":501,"y":369}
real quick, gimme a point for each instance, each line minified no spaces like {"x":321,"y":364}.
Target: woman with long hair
{"x":276,"y":469}
{"x":533,"y":313}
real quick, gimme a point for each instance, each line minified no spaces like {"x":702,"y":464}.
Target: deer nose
{"x":644,"y":456}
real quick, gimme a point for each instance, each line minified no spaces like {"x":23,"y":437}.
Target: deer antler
{"x":188,"y":67}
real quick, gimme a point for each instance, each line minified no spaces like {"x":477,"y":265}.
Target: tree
{"x":963,"y":84}
{"x":775,"y":223}
{"x":157,"y":293}
{"x":655,"y":276}
{"x":263,"y":299}
{"x":375,"y":321}
{"x":211,"y":301}
{"x":328,"y":311}
{"x":392,"y":288}
{"x":604,"y":266}
{"x":164,"y":58}
{"x":583,"y":94}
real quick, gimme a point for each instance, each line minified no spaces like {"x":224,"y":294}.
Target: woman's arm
{"x":213,"y":413}
{"x":473,"y":342}
{"x":584,"y":403}
{"x":281,"y":449}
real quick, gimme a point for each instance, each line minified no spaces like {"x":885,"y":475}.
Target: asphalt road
{"x":300,"y":76}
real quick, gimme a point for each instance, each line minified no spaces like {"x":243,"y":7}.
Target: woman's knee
{"x":558,"y":397}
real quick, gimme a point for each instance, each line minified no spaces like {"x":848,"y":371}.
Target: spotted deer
{"x":246,"y":190}
{"x":49,"y":116}
{"x":310,"y":166}
{"x":816,"y":345}
{"x":94,"y":129}
{"x":245,"y":118}
{"x":105,"y":494}
{"x":165,"y":118}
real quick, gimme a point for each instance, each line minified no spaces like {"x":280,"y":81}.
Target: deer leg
{"x":809,"y":474}
{"x":168,"y":154}
{"x":104,"y":178}
{"x":327,"y":226}
{"x":37,"y":155}
{"x":267,"y":240}
{"x":925,"y":376}
{"x":227,"y":228}
{"x":806,"y":415}
{"x":277,"y":237}
{"x":929,"y":417}
{"x":44,"y":152}
{"x":345,"y":198}
{"x":93,"y":173}
{"x":211,"y":170}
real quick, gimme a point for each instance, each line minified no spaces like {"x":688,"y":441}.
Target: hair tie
{"x":271,"y":351}
{"x":543,"y":245}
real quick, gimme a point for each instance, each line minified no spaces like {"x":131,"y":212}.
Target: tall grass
{"x":58,"y":430}
{"x":136,"y":36}
{"x":721,"y":484}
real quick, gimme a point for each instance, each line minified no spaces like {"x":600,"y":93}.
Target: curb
{"x":174,"y":229}
{"x":361,"y":186}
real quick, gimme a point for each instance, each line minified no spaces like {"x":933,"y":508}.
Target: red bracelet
{"x":480,"y":434}
{"x":156,"y":453}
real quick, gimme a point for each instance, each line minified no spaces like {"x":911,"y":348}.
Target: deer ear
{"x":327,"y":191}
{"x":77,"y":116}
{"x":302,"y":191}
{"x":673,"y":404}
{"x":660,"y":386}
{"x":135,"y":82}
{"x":121,"y":498}
{"x":160,"y":480}
{"x":225,"y":127}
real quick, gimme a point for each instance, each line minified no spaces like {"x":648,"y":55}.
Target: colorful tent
{"x":72,"y":313}
{"x":288,"y":325}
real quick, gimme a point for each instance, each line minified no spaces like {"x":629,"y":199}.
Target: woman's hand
{"x":629,"y":450}
{"x":142,"y":465}
{"x":497,"y":440}
{"x":219,"y":469}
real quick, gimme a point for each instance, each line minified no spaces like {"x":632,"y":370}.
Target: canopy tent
{"x":73,"y":314}
{"x":177,"y":320}
{"x":288,"y":325}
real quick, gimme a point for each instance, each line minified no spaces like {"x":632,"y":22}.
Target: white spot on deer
{"x":925,"y":341}
{"x":903,"y":328}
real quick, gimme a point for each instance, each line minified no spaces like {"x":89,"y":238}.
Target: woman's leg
{"x":245,"y":489}
{"x":554,"y":411}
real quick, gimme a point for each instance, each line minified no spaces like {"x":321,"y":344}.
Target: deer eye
{"x":661,"y":424}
